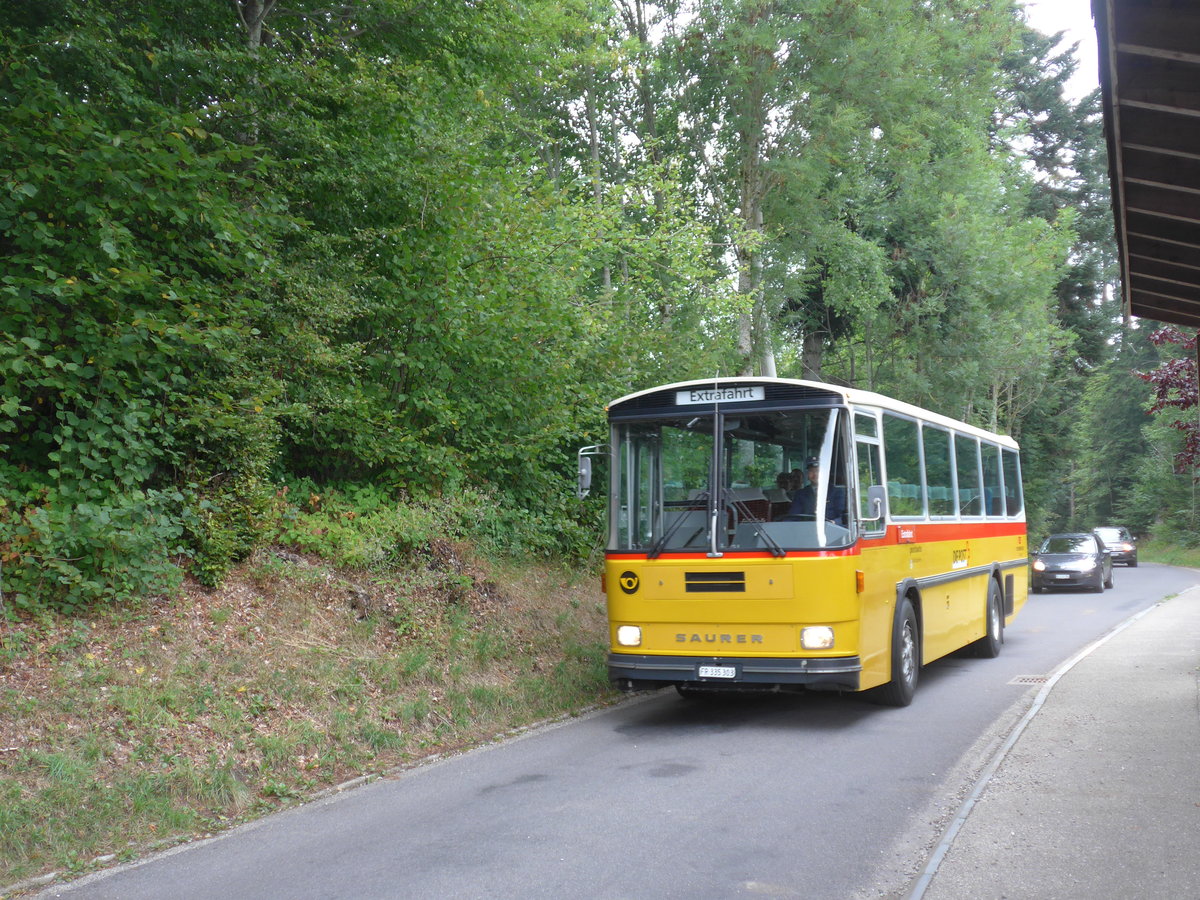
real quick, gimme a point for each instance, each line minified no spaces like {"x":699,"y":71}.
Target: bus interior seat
{"x":751,"y":504}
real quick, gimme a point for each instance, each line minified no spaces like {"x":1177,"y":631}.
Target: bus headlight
{"x":629,"y":636}
{"x":816,"y":637}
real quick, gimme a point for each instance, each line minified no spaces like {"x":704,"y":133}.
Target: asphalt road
{"x":812,"y":796}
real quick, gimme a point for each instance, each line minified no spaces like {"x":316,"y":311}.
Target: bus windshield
{"x":766,"y":481}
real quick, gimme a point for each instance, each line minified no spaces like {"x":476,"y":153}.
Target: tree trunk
{"x":745,"y":336}
{"x":751,"y":111}
{"x":594,"y":140}
{"x":811,"y":355}
{"x":252,"y":14}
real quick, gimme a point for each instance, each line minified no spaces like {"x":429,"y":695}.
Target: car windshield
{"x":1111,"y":535}
{"x":1069,"y":544}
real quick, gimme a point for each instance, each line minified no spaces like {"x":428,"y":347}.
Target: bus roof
{"x":849,"y":396}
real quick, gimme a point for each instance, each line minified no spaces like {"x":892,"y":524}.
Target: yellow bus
{"x":777,"y":534}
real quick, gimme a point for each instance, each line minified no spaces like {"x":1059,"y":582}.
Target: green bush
{"x":355,"y":525}
{"x":558,"y":525}
{"x":67,"y":554}
{"x":225,"y":523}
{"x":364,"y":526}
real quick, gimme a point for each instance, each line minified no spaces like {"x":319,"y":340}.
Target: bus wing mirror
{"x":876,"y":501}
{"x":583,"y":484}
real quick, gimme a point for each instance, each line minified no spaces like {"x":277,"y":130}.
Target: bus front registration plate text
{"x":718,"y":672}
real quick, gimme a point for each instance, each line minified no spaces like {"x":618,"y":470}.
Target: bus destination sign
{"x":737,"y":394}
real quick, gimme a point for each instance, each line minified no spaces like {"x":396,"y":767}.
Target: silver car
{"x":1120,"y":542}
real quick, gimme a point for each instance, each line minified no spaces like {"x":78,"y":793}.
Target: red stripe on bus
{"x":919,"y":532}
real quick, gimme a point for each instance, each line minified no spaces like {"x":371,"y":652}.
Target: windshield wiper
{"x":745,"y":515}
{"x":661,"y":543}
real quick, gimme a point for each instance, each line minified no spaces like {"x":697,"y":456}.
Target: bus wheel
{"x":906,"y":662}
{"x":988,"y":646}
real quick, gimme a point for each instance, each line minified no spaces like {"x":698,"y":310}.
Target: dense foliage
{"x":405,"y":251}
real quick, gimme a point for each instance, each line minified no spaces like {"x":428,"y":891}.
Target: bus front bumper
{"x":629,"y":672}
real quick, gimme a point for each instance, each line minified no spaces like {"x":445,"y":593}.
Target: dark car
{"x":1072,"y":560}
{"x":1119,"y":542}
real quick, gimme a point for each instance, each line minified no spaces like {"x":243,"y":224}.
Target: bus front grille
{"x":714,"y":582}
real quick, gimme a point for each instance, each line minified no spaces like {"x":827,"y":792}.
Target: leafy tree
{"x":1164,"y":499}
{"x":250,"y":243}
{"x":1109,"y":438}
{"x":769,"y":98}
{"x":135,"y":243}
{"x":1174,"y":387}
{"x":1062,"y":144}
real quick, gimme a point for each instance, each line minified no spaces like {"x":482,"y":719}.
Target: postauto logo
{"x":629,"y":582}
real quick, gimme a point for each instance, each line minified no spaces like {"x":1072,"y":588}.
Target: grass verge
{"x":136,"y":729}
{"x":1168,"y":554}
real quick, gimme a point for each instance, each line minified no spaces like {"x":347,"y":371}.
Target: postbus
{"x":910,"y":543}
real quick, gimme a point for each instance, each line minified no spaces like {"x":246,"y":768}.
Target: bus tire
{"x":906,"y":659}
{"x":988,"y":646}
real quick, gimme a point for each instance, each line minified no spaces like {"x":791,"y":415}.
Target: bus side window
{"x":1014,"y":502}
{"x":938,"y":480}
{"x":993,"y":484}
{"x":966,"y":457}
{"x":901,"y":444}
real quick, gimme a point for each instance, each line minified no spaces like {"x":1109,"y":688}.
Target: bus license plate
{"x":718,"y":672}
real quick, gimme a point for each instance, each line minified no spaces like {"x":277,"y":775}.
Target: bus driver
{"x":804,"y":503}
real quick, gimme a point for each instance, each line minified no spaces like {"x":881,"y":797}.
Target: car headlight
{"x":1083,"y":565}
{"x":816,"y":637}
{"x":1039,"y":566}
{"x":629,"y":635}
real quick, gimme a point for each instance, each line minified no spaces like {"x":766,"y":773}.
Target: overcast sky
{"x":1075,"y":18}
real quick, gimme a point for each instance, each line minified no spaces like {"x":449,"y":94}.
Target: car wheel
{"x":1108,"y":581}
{"x":1133,"y":563}
{"x":1098,"y":587}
